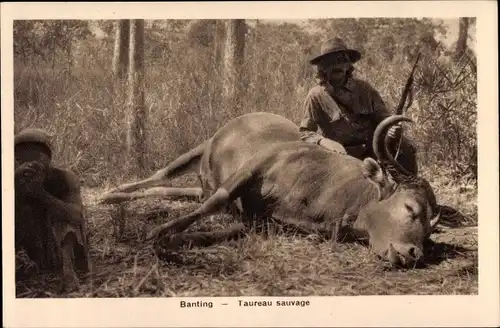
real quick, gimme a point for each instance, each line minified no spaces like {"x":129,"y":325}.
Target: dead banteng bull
{"x":259,"y":162}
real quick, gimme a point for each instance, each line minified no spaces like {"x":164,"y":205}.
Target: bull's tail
{"x":178,"y":167}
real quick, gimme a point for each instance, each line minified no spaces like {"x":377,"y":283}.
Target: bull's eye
{"x":411,"y":211}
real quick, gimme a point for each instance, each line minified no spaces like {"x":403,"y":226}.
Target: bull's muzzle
{"x":408,"y":257}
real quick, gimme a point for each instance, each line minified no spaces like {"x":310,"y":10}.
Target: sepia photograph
{"x":190,"y":158}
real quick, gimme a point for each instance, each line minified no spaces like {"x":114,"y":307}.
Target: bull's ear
{"x":376,"y":175}
{"x":373,"y":171}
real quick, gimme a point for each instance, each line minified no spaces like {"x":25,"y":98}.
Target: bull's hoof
{"x":114,"y":197}
{"x":161,"y":230}
{"x":167,"y":246}
{"x":170,"y":242}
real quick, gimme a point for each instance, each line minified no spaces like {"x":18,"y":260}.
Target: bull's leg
{"x":306,"y":227}
{"x":164,"y":192}
{"x":69,"y":277}
{"x":199,"y":238}
{"x":338,"y":230}
{"x":179,"y":166}
{"x":229,"y":191}
{"x":210,"y":206}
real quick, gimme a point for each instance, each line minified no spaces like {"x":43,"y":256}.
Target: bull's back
{"x":242,"y":138}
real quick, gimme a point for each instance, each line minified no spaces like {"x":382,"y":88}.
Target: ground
{"x":277,"y":265}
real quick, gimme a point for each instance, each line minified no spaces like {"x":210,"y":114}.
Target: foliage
{"x":34,"y":39}
{"x":79,"y":103}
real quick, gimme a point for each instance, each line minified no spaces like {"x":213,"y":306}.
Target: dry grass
{"x":85,"y":108}
{"x":276,"y":265}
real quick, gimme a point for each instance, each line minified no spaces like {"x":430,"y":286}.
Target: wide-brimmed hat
{"x":332,"y":46}
{"x":34,"y":135}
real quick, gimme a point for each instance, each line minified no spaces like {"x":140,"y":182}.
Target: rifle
{"x":402,"y":109}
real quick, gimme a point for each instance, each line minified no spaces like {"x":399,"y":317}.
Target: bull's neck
{"x":348,"y":197}
{"x":354,"y":196}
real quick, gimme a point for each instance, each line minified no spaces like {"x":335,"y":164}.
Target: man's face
{"x":337,"y":68}
{"x":30,"y":152}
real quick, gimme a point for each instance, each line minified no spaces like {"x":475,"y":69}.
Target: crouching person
{"x":342,"y":112}
{"x":49,"y":222}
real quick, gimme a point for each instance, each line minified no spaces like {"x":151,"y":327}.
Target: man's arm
{"x":308,"y":126}
{"x":70,"y":207}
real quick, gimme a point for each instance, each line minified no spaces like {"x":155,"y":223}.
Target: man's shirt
{"x":348,"y":115}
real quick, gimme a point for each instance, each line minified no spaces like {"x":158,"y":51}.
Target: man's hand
{"x":394,"y":132}
{"x":30,"y":177}
{"x":332,"y":146}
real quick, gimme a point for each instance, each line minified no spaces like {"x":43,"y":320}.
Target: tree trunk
{"x":233,"y":64}
{"x":218,"y":49}
{"x":218,"y":44}
{"x":136,"y":108}
{"x":121,"y":49}
{"x":462,"y":38}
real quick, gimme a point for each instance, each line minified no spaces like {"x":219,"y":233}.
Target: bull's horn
{"x":435,"y":220}
{"x":379,"y":148}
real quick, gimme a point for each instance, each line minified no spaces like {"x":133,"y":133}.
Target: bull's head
{"x":405,"y":213}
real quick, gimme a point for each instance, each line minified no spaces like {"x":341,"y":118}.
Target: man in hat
{"x":49,"y":221}
{"x":342,"y":112}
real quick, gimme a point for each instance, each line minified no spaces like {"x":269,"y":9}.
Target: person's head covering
{"x":332,"y":47}
{"x":34,"y":135}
